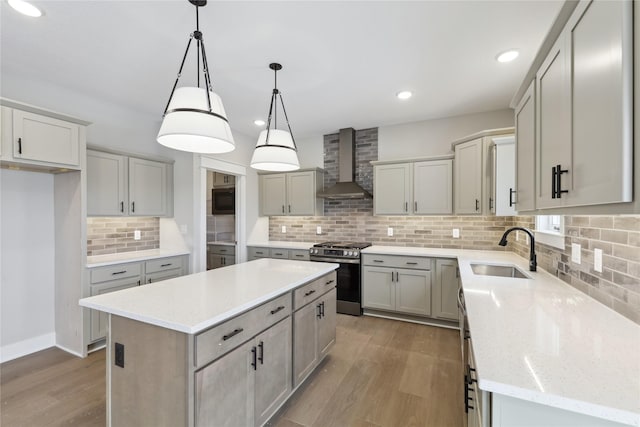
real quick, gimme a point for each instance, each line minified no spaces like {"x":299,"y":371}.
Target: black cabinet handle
{"x":490,"y":203}
{"x":554,"y":192}
{"x":415,"y":206}
{"x":406,"y":206}
{"x":559,"y":172}
{"x":254,"y":362}
{"x":115,"y":273}
{"x":133,"y":206}
{"x":299,"y":256}
{"x":322,"y":308}
{"x":378,"y":260}
{"x":261,"y":357}
{"x":19,"y":145}
{"x":165,"y":265}
{"x":329,"y":282}
{"x":149,"y":281}
{"x":412,"y":263}
{"x":279,"y":254}
{"x":282,"y":208}
{"x":121,"y":206}
{"x":319,"y":313}
{"x":223,"y":250}
{"x":511,"y":202}
{"x":477,"y":205}
{"x":280,"y":308}
{"x":139,"y":283}
{"x":259,"y":252}
{"x":232,"y":334}
{"x":466,"y":395}
{"x":312,"y":291}
{"x":289,"y":208}
{"x":224,"y":261}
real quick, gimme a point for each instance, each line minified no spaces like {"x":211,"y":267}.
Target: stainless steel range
{"x":349,"y":287}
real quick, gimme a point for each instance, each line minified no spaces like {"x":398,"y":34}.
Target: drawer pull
{"x":253,"y":356}
{"x":19,"y":145}
{"x":299,"y":255}
{"x":115,"y":273}
{"x":259,"y":252}
{"x":280,"y":308}
{"x":223,"y":250}
{"x":232,"y":334}
{"x":165,"y":265}
{"x":312,"y":291}
{"x":261,"y":357}
{"x":412,"y":263}
{"x":378,"y":260}
{"x":279,"y":253}
{"x":329,"y":282}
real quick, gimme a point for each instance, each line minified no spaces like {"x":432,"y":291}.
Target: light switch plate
{"x":390,"y":231}
{"x":318,"y":230}
{"x":284,"y":228}
{"x":575,"y":252}
{"x":456,"y":233}
{"x":136,"y":235}
{"x":597,"y":260}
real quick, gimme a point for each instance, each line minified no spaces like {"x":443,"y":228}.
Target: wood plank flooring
{"x":380,"y":373}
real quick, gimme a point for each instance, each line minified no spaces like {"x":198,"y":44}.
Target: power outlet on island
{"x":136,"y":235}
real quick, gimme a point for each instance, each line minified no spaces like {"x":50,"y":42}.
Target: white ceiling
{"x":343,"y":61}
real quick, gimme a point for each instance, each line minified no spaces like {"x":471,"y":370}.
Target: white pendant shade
{"x":197,"y":131}
{"x":279,"y":155}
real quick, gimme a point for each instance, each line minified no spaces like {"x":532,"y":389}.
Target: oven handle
{"x":336,"y":260}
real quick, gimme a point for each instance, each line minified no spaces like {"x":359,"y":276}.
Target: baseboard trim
{"x":75,"y":353}
{"x":441,"y":323}
{"x":22,"y":348}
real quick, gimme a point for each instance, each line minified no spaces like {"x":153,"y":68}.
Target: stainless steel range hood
{"x":346,"y":187}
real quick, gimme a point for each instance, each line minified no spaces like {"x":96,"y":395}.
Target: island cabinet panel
{"x":445,"y":289}
{"x":327,"y":328}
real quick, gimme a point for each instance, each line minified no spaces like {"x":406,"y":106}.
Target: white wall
{"x":434,"y":137}
{"x":27,"y":263}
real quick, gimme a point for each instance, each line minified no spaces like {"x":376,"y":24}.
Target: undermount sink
{"x":498,"y":271}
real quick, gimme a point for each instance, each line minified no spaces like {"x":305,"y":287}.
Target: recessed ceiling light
{"x":259,"y":122}
{"x":507,"y":56}
{"x":25,"y":8}
{"x":405,"y":94}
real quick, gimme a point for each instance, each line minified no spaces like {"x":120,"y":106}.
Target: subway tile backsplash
{"x":113,"y":235}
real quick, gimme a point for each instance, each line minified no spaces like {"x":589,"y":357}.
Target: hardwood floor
{"x":380,"y":373}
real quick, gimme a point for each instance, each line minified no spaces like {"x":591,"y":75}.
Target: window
{"x":550,"y":230}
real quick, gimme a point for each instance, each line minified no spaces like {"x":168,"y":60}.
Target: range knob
{"x":355,"y":253}
{"x":345,"y":253}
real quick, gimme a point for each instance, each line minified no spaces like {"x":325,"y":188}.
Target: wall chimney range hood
{"x":346,"y":187}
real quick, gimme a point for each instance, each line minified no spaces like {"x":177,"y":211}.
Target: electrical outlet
{"x":597,"y":260}
{"x":137,"y":235}
{"x":318,"y":230}
{"x":284,"y":229}
{"x":390,"y":231}
{"x":456,"y":233}
{"x":575,"y":252}
{"x":119,"y":359}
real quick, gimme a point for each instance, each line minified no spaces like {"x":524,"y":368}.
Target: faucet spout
{"x":533,"y":263}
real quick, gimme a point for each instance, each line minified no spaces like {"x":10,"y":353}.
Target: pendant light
{"x":194,"y":119}
{"x":276,"y":149}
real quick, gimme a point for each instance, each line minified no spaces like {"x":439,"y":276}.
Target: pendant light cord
{"x":273,"y":109}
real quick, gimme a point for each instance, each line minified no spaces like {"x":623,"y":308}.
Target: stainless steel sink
{"x":498,"y":271}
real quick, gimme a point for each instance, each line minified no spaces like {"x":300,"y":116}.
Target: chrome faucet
{"x":533,"y":264}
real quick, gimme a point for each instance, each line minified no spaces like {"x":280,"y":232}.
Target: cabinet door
{"x":147,"y":187}
{"x":468,"y":177}
{"x":45,"y":139}
{"x":273,"y":375}
{"x":106,"y":189}
{"x":525,"y":121}
{"x":392,"y":189}
{"x":305,"y":350}
{"x":445,"y":290}
{"x":222,"y":180}
{"x":163,"y":275}
{"x":215,"y":261}
{"x":224,"y":394}
{"x":99,"y":319}
{"x":413,"y":291}
{"x":505,"y":176}
{"x":301,"y":193}
{"x":327,"y":323}
{"x":273,"y":194}
{"x":433,"y":187}
{"x":553,"y":147}
{"x":378,"y":288}
{"x":601,"y":108}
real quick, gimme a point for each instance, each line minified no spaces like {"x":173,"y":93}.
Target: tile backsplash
{"x":113,"y":235}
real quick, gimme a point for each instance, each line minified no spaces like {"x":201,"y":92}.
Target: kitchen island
{"x":222,"y":347}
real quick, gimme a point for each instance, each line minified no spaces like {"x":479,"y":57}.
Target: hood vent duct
{"x":346,"y":187}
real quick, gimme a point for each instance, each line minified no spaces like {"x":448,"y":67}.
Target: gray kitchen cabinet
{"x":580,"y":106}
{"x":433,"y":187}
{"x":222,"y":180}
{"x":378,"y":291}
{"x":525,"y":121}
{"x":220,"y":256}
{"x":502,"y":156}
{"x":445,"y":290}
{"x":98,"y":319}
{"x":256,"y":252}
{"x":314,"y":329}
{"x":413,"y":292}
{"x":118,"y":185}
{"x":292,"y":193}
{"x":106,"y":184}
{"x":392,"y":189}
{"x":468,"y":177}
{"x":299,"y":254}
{"x":279,"y":253}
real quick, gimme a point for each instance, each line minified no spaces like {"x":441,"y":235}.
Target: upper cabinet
{"x":578,"y":114}
{"x":468,"y":177}
{"x":420,"y":187}
{"x":502,"y":153}
{"x":119,"y":185}
{"x":35,"y":139}
{"x":222,"y":180}
{"x":292,"y":193}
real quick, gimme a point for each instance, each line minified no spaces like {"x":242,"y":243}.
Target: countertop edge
{"x":161,"y":253}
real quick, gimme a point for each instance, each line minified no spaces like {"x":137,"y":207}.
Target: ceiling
{"x":344,"y":61}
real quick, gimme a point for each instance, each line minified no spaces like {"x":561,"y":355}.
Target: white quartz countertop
{"x":543,"y":341}
{"x":110,"y":259}
{"x":198,"y":301}
{"x":282,"y":245}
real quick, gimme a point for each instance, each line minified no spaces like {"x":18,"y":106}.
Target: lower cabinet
{"x":256,"y":252}
{"x":250,"y":382}
{"x":98,"y":319}
{"x":445,"y":290}
{"x":220,"y":256}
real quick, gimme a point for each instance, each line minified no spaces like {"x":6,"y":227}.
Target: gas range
{"x":348,"y":251}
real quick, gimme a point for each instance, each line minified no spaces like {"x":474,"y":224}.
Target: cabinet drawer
{"x":223,"y":338}
{"x":299,"y":254}
{"x":312,"y":290}
{"x":162,"y":275}
{"x":279,"y":253}
{"x":420,"y":263}
{"x":115,"y":272}
{"x":258,"y":253}
{"x":163,"y":264}
{"x":222,"y":250}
